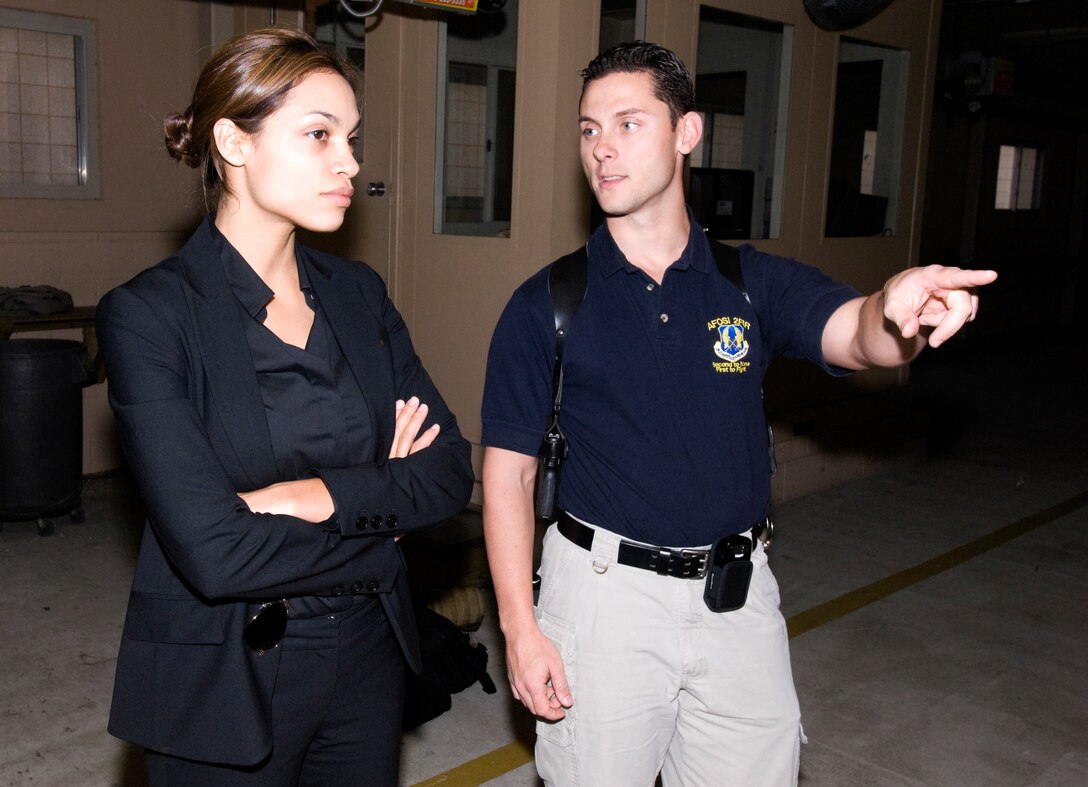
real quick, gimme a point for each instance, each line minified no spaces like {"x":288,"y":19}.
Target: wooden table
{"x":80,"y":317}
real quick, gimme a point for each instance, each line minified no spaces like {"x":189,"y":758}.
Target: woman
{"x":283,"y":435}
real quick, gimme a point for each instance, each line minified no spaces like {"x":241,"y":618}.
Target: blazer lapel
{"x":363,"y":340}
{"x":228,"y":364}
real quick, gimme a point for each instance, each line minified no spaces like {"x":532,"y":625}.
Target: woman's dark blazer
{"x":191,"y":420}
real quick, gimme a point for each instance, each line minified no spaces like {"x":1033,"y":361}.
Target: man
{"x":629,"y":670}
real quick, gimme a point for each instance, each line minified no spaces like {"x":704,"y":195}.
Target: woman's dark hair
{"x":245,"y":82}
{"x":672,"y":80}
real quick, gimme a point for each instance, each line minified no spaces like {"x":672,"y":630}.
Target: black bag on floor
{"x":452,"y":662}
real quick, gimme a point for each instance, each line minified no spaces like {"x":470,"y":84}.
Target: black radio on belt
{"x":728,"y":572}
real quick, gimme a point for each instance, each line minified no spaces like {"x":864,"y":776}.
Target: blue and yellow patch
{"x":731,"y":346}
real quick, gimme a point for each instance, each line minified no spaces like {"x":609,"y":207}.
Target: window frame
{"x":1015,"y":197}
{"x":765,"y":161}
{"x":85,"y":61}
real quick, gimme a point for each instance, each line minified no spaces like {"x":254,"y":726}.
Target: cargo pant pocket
{"x":561,"y":633}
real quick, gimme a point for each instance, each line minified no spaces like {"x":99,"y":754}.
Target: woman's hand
{"x":307,"y":499}
{"x":407,"y":438}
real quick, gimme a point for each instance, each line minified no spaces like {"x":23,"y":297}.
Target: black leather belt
{"x":682,"y":563}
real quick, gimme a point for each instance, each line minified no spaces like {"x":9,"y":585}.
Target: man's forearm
{"x":509,"y":526}
{"x":879,"y":339}
{"x":859,"y":336}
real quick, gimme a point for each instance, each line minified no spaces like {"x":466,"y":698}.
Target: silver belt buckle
{"x":682,"y":563}
{"x":701,"y":556}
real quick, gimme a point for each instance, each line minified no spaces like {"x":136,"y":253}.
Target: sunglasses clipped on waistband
{"x":265,"y":629}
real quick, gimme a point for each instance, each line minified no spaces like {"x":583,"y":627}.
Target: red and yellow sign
{"x":466,"y":6}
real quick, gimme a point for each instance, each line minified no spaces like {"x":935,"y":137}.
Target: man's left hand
{"x":934,"y":296}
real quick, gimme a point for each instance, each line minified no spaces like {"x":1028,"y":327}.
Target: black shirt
{"x":316,"y":412}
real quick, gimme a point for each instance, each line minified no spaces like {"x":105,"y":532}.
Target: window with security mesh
{"x":47,"y":146}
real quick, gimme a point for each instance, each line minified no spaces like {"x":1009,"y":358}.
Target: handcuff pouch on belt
{"x":728,"y":573}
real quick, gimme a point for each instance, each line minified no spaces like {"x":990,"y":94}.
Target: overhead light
{"x":843,"y":14}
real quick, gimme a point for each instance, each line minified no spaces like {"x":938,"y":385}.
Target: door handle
{"x":375,"y":189}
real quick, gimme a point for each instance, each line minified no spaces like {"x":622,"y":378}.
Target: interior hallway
{"x":938,"y":612}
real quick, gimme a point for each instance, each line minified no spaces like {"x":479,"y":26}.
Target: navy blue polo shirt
{"x":662,"y":405}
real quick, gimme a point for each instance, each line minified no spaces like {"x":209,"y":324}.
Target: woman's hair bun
{"x":180,"y":142}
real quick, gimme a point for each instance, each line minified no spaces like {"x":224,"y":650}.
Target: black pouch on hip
{"x":728,"y":573}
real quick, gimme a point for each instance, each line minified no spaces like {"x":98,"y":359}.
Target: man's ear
{"x":231,"y":142}
{"x":690,"y":128}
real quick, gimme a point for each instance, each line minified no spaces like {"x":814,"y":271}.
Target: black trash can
{"x":41,"y":429}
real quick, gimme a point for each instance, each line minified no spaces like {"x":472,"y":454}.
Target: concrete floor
{"x":939,"y":612}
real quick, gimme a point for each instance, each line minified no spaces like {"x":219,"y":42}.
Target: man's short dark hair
{"x":673,"y":84}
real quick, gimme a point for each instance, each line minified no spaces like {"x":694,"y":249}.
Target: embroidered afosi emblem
{"x":732,"y":346}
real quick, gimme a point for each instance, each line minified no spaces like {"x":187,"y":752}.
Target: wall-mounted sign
{"x":465,"y":6}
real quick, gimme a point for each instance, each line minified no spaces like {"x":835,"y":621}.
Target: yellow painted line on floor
{"x":483,"y":769}
{"x":864,"y":596}
{"x":503,"y":760}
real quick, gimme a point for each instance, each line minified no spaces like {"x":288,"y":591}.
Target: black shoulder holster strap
{"x":567,"y":289}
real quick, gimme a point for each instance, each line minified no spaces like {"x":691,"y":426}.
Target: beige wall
{"x":148,"y":53}
{"x":452,"y":289}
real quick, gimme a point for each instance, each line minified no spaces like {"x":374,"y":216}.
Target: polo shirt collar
{"x":696,"y":254}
